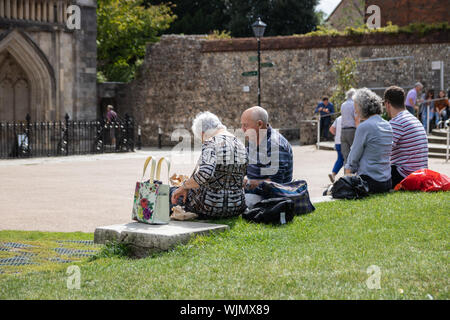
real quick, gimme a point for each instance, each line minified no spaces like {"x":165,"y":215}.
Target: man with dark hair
{"x":410,"y":143}
{"x":325,"y":108}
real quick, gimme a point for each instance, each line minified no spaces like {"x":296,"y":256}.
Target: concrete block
{"x":144,"y":239}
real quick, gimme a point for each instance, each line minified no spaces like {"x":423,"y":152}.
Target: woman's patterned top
{"x":220,"y":174}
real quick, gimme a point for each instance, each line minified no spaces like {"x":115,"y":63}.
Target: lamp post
{"x":258,"y":30}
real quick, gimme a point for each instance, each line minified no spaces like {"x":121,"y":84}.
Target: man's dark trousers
{"x":325,"y":126}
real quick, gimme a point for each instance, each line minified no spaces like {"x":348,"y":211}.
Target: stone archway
{"x":15,"y":90}
{"x":27,"y":78}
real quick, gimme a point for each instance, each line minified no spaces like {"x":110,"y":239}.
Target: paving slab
{"x":80,"y":193}
{"x":144,"y":239}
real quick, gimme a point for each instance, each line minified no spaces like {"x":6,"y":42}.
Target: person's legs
{"x":377,"y":186}
{"x":347,"y":137}
{"x":251,"y":199}
{"x":340,"y":160}
{"x":338,"y":164}
{"x":396,"y":176}
{"x":437,"y":118}
{"x":323,"y":129}
{"x":326,"y":127}
{"x":424,"y":119}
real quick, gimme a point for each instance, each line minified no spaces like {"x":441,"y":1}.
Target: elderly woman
{"x":370,"y":153}
{"x":215,"y":189}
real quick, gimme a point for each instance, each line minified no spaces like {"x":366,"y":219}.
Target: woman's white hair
{"x":368,"y":102}
{"x":350,"y":93}
{"x":207,"y":123}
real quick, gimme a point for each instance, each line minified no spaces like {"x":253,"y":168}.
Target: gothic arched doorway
{"x":14,"y":90}
{"x":27,"y":81}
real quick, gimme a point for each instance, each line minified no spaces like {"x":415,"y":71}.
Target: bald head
{"x":257,"y":114}
{"x":253,"y":120}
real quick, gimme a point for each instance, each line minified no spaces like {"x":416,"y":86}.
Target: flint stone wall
{"x":183,"y":75}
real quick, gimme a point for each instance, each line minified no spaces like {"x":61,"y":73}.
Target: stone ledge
{"x":145,"y":239}
{"x":296,"y":42}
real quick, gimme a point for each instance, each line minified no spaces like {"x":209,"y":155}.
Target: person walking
{"x":411,"y":98}
{"x":349,"y":122}
{"x":336,"y":130}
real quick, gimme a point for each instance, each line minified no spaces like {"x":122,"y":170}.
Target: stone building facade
{"x":353,"y":13}
{"x":46,"y":68}
{"x":348,"y":13}
{"x":404,"y":12}
{"x":183,"y":75}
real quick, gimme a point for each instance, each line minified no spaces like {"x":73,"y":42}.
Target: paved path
{"x":80,"y":193}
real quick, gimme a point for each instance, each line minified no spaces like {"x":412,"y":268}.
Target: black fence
{"x":48,"y":139}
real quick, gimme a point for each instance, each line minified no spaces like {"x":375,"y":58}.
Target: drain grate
{"x":59,"y":260}
{"x":16,"y":245}
{"x":86,"y":242}
{"x":16,"y":261}
{"x":76,"y":253}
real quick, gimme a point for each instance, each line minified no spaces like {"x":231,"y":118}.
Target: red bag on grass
{"x":425,"y":180}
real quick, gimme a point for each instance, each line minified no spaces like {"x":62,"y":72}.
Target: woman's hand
{"x":177,"y":194}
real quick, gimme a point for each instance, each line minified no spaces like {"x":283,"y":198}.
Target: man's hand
{"x":177,"y":194}
{"x":348,"y":172}
{"x":251,"y":184}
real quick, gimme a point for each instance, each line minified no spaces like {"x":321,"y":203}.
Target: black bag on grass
{"x":350,"y":188}
{"x":297,"y":191}
{"x":276,"y":211}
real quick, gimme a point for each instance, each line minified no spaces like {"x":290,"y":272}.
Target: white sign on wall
{"x":436,"y":65}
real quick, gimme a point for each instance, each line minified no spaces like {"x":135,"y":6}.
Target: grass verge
{"x":323,"y":255}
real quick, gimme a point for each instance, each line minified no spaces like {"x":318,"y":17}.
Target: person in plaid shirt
{"x":270,"y":155}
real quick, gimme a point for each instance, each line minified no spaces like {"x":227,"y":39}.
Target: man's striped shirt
{"x":410,"y":145}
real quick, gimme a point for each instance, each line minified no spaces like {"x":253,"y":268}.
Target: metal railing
{"x":318,"y":125}
{"x":63,"y":138}
{"x":446,"y":126}
{"x":427,"y":102}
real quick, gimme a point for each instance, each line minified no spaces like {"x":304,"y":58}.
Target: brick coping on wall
{"x":296,"y":42}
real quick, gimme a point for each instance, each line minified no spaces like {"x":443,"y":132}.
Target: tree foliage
{"x":195,"y":16}
{"x":345,"y":71}
{"x":283,"y":17}
{"x":124,"y":29}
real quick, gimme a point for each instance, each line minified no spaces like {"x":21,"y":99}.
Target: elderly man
{"x":410,"y":145}
{"x":349,"y":123}
{"x":411,"y":98}
{"x":269,"y":153}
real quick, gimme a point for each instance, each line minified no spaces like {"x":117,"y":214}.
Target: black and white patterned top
{"x":220,"y":174}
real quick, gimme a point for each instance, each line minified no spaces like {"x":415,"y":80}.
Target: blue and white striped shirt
{"x":263,"y":166}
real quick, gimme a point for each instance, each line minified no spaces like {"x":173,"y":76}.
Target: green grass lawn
{"x":323,"y":255}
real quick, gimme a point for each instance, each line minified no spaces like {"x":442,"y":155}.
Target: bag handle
{"x":158,"y":170}
{"x":152,"y":170}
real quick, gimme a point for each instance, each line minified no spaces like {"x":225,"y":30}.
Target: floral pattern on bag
{"x":145,"y":196}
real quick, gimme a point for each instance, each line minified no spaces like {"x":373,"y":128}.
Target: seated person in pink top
{"x":410,"y":143}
